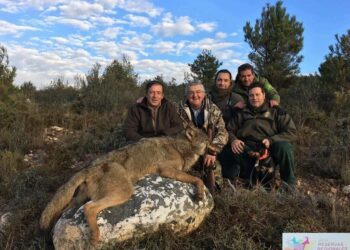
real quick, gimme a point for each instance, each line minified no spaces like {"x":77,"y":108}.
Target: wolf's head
{"x":198,"y":139}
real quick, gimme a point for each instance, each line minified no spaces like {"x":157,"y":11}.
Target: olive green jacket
{"x":253,"y":125}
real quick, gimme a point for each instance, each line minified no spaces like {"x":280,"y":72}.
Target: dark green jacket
{"x":253,"y":125}
{"x":225,"y":100}
{"x":271,"y":92}
{"x":139,"y":123}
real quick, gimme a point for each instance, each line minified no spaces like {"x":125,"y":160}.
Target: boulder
{"x":157,"y":203}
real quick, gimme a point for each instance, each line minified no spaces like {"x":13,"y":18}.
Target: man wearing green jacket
{"x":259,"y":125}
{"x":245,"y":77}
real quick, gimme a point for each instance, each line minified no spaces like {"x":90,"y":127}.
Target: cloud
{"x":138,"y":21}
{"x":133,"y":6}
{"x":41,"y":67}
{"x":105,"y":48}
{"x":73,"y":40}
{"x":209,"y":27}
{"x":220,"y":35}
{"x":21,"y":5}
{"x":227,"y":54}
{"x":148,"y":69}
{"x":81,"y":24}
{"x":60,"y":40}
{"x":112,"y":33}
{"x":7,"y":28}
{"x":80,"y":9}
{"x":137,"y":43}
{"x":164,"y":47}
{"x":169,"y":27}
{"x":104,"y":20}
{"x":103,"y":30}
{"x":211,"y":44}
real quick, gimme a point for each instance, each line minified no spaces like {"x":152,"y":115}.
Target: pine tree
{"x":276,"y":40}
{"x":7,"y":73}
{"x":335,"y":70}
{"x":205,"y":67}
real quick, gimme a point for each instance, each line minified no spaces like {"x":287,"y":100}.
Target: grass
{"x":247,"y":219}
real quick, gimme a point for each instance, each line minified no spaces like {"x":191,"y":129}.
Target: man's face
{"x":195,"y":96}
{"x":155,"y":95}
{"x":256,"y":97}
{"x":246,"y":77}
{"x":223,"y":81}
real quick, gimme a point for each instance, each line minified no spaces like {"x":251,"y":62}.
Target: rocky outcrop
{"x":157,"y":202}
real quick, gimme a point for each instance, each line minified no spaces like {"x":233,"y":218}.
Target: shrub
{"x":11,"y":163}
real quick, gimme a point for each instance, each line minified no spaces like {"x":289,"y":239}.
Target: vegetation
{"x":35,"y":159}
{"x":276,"y":39}
{"x":205,"y":67}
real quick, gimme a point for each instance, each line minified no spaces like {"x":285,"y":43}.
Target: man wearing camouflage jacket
{"x":204,"y":114}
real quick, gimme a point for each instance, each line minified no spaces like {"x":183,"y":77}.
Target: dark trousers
{"x":282,"y":154}
{"x":229,"y":168}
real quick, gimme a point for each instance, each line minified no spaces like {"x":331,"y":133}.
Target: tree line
{"x":276,"y":40}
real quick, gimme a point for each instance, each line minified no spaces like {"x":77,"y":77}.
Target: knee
{"x":282,"y":147}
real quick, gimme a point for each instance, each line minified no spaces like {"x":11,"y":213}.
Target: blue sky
{"x":46,"y":39}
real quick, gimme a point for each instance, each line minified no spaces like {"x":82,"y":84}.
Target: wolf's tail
{"x":61,"y":199}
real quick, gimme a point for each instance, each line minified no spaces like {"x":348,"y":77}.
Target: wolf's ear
{"x":190,"y":133}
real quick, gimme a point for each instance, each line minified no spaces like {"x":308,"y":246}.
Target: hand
{"x":240,"y":105}
{"x":209,"y":160}
{"x":237,"y":146}
{"x":266,"y":143}
{"x":273,"y":103}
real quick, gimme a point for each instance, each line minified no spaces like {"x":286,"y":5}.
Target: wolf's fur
{"x":110,"y":179}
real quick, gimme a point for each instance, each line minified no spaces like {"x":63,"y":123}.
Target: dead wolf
{"x":110,"y":179}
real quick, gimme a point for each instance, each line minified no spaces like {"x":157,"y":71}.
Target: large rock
{"x":157,"y":202}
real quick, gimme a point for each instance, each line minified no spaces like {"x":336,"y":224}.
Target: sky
{"x":51,"y":39}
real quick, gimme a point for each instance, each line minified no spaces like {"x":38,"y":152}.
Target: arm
{"x":285,"y":127}
{"x":175,"y":121}
{"x":220,"y":137}
{"x":131,"y":125}
{"x":271,"y":92}
{"x":237,"y":145}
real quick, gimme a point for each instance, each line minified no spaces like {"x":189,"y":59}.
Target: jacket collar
{"x":263,"y":108}
{"x":144,"y":103}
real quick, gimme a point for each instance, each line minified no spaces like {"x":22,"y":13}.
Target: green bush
{"x":11,"y":164}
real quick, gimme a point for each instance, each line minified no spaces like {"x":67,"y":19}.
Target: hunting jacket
{"x":213,"y":116}
{"x":271,"y":92}
{"x":139,"y":121}
{"x":252,"y":125}
{"x":225,"y":101}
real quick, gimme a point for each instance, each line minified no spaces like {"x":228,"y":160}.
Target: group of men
{"x":241,"y":115}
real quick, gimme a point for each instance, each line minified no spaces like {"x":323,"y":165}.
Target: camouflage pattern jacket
{"x":213,"y":116}
{"x":271,"y":92}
